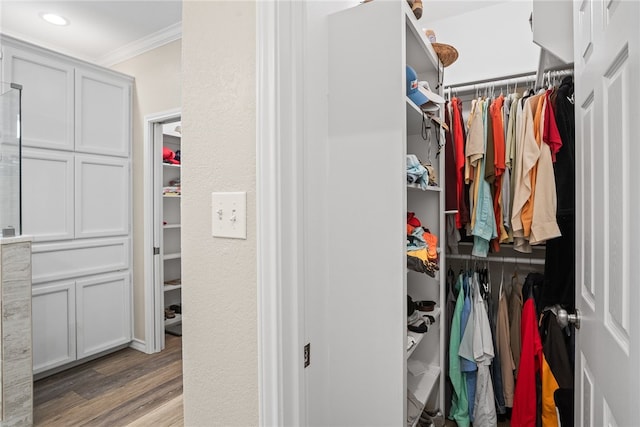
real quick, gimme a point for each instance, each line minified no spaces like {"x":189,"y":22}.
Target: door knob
{"x":565,"y":318}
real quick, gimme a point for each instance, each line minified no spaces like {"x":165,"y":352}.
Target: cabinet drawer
{"x":55,"y":261}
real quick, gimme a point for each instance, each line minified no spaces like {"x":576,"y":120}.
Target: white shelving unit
{"x":171,"y":231}
{"x":373,"y":125}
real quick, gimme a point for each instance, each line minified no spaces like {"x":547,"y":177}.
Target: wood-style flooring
{"x":124,"y":388}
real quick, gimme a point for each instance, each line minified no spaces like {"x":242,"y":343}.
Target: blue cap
{"x":412,"y":88}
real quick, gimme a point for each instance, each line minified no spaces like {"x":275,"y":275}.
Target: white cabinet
{"x":372,"y":127}
{"x":102,"y":194}
{"x":104,"y":313}
{"x":102,"y":114}
{"x":48,"y":194}
{"x":54,"y":325}
{"x":76,"y":201}
{"x":47,"y":96}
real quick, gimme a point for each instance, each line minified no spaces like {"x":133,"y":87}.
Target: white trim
{"x":152,"y":41}
{"x":154,"y":320}
{"x":279,"y":178}
{"x":139,"y":345}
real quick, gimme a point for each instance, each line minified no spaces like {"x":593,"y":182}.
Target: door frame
{"x":280,"y":106}
{"x":153,"y":296}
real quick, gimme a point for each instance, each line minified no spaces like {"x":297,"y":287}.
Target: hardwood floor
{"x":123,"y":388}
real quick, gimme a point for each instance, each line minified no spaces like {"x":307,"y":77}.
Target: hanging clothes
{"x":451,"y":189}
{"x":484,"y":227}
{"x":559,"y":264}
{"x":515,"y":319}
{"x":468,"y":365}
{"x":528,"y":153}
{"x":459,"y":401}
{"x":503,"y":347}
{"x":557,"y":373}
{"x":484,"y":411}
{"x":525,"y":397}
{"x":459,"y":137}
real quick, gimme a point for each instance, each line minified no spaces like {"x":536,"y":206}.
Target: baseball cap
{"x":413,"y":88}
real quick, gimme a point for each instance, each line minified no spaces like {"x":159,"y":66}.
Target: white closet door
{"x":103,"y":310}
{"x":47,"y":97}
{"x":54,"y":325}
{"x":102,"y":114}
{"x":102,"y":192}
{"x":47,"y":194}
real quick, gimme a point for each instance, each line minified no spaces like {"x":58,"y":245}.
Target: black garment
{"x":564,"y":168}
{"x":451,"y":193}
{"x":559,"y":270}
{"x":556,"y":347}
{"x":559,"y":266}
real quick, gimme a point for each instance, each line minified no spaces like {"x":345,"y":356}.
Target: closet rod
{"x":503,"y":81}
{"x":509,"y":260}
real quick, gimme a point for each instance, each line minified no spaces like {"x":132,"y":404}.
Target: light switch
{"x":229,"y":215}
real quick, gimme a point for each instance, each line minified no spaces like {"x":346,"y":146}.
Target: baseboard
{"x":139,"y":345}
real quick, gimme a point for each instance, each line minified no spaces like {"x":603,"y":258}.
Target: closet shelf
{"x":168,"y":288}
{"x":419,"y":337}
{"x":172,"y":256}
{"x":171,"y":196}
{"x":414,"y":118}
{"x":429,"y":188}
{"x":173,"y":321}
{"x":420,"y":54}
{"x":422,"y":385}
{"x":170,"y":165}
{"x":169,"y":226}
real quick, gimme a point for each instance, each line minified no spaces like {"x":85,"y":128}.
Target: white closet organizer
{"x":372,"y":127}
{"x":76,"y":186}
{"x":171,"y":231}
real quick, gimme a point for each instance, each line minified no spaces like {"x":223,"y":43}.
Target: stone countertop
{"x":16,"y":239}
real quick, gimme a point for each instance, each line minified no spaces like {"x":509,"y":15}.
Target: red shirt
{"x":551,"y":135}
{"x":524,"y":399}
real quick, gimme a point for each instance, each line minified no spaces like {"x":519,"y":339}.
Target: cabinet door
{"x":54,"y":325}
{"x":47,"y":97}
{"x":103,"y":124}
{"x":102,"y":194}
{"x":103,"y":310}
{"x":47,"y":194}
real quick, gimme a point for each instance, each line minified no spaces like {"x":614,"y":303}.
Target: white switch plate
{"x":229,"y":215}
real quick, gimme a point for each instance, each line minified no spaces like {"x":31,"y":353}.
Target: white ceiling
{"x":434,"y":10}
{"x":102,"y":32}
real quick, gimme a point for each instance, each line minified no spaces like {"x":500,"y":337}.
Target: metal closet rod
{"x":509,"y":260}
{"x":503,"y":81}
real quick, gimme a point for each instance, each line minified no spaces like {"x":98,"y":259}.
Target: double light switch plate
{"x":229,"y":215}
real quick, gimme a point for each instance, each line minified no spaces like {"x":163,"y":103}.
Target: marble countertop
{"x":16,"y":239}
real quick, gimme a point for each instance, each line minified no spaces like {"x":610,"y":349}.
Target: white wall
{"x":492,"y":42}
{"x":157,"y":88}
{"x":220,"y":352}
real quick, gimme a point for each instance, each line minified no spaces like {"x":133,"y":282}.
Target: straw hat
{"x":447,"y":53}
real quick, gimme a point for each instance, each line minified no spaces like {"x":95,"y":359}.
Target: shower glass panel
{"x":10,"y":160}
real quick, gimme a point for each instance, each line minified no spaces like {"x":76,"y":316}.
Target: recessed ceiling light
{"x":54,"y":19}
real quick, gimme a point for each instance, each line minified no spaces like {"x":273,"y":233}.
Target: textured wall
{"x":219,"y":275}
{"x":156,"y":89}
{"x":492,"y":41}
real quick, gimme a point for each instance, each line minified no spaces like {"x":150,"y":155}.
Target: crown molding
{"x":145,"y":44}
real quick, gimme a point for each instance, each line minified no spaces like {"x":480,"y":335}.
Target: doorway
{"x":163,"y":258}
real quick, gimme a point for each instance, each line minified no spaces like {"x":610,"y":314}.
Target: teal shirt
{"x":485,"y":227}
{"x":459,"y":401}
